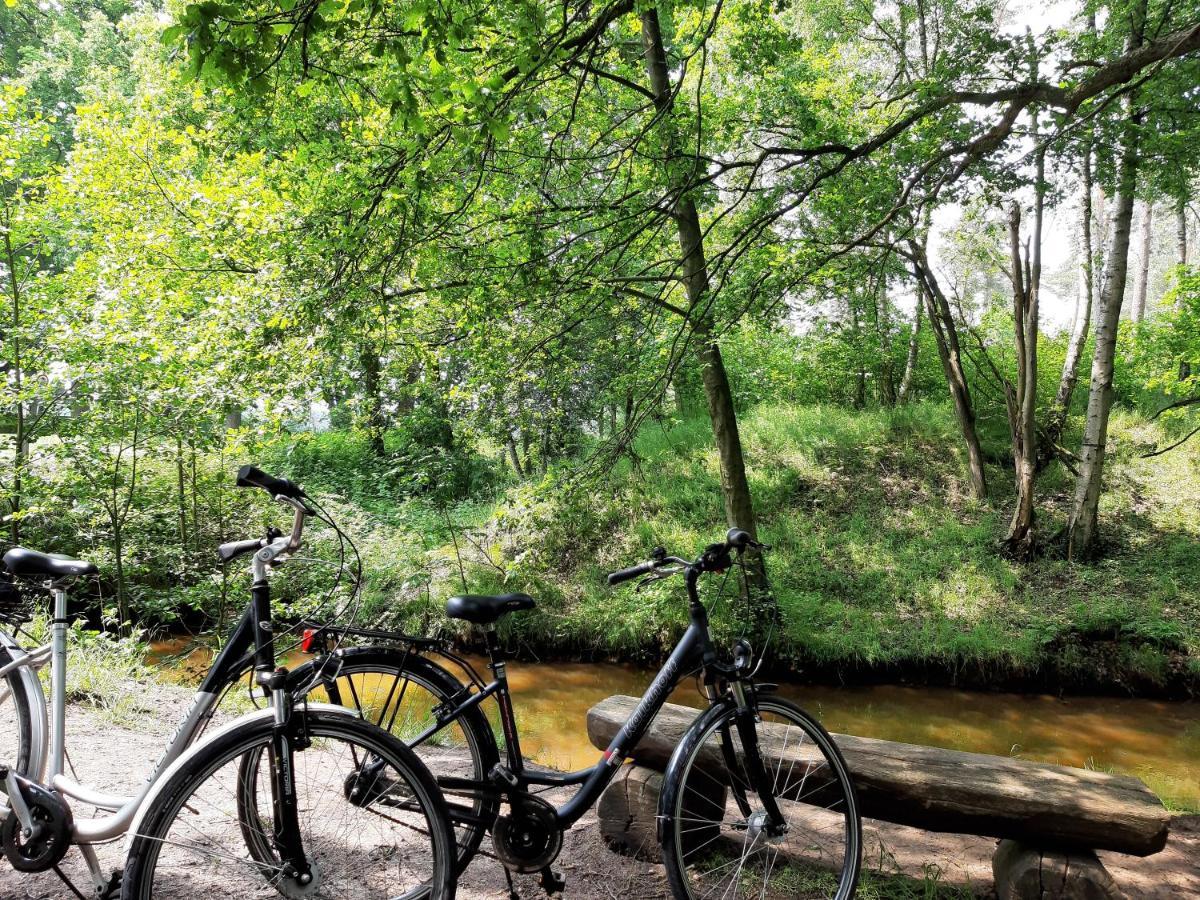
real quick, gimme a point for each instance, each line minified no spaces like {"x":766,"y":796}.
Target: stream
{"x":1158,"y":741}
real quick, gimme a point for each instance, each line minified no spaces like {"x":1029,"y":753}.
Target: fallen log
{"x":948,"y":791}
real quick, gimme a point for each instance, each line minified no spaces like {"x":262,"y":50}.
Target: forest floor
{"x":112,"y":752}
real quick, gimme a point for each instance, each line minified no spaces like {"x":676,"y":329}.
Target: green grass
{"x":103,"y":671}
{"x":880,"y":555}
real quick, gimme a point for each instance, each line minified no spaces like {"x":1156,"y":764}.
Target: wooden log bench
{"x":1049,"y":819}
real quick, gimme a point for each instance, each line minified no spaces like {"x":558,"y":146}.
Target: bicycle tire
{"x":178,"y":791}
{"x":16,"y":722}
{"x":699,"y":787}
{"x":441,"y":686}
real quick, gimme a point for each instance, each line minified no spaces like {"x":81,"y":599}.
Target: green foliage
{"x":870,"y":564}
{"x":420,"y":458}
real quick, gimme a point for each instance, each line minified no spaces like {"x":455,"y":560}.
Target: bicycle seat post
{"x":508,"y":724}
{"x":58,"y":680}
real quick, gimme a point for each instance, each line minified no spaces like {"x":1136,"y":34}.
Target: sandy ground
{"x":114,"y":758}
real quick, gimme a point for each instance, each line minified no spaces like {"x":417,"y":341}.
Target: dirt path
{"x":115,"y":757}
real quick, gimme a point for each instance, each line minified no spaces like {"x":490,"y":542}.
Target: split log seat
{"x":1050,"y":819}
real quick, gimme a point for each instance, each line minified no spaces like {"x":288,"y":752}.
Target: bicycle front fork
{"x":285,"y":740}
{"x":747,"y":720}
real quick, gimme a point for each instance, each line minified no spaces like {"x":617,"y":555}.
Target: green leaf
{"x":498,"y":129}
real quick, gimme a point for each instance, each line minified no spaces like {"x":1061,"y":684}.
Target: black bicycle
{"x":756,"y":800}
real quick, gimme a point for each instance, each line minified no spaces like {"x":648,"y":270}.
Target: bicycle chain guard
{"x":528,"y":839}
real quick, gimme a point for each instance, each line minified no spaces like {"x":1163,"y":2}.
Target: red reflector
{"x":306,"y":641}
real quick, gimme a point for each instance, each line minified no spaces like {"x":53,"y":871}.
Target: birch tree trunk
{"x":914,"y":347}
{"x":1021,"y":399}
{"x":1143,"y":281}
{"x":20,"y":436}
{"x":1181,"y":235}
{"x":1057,"y":419}
{"x":1082,"y":526}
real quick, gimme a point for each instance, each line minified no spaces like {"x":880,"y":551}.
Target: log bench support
{"x":1049,"y":820}
{"x":1021,"y":872}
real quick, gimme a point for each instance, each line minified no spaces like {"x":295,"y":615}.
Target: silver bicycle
{"x":278,"y":798}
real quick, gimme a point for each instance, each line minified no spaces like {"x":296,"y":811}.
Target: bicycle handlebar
{"x":283,"y":491}
{"x":233,"y":549}
{"x":714,"y":558}
{"x":615,"y":578}
{"x":253,"y":477}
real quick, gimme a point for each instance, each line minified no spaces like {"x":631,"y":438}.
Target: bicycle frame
{"x":693,"y":651}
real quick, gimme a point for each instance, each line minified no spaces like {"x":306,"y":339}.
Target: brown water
{"x":1158,"y":741}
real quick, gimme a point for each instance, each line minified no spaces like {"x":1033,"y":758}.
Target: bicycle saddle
{"x":483,"y":609}
{"x":21,"y":561}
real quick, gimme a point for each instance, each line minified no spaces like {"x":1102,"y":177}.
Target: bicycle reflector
{"x":308,"y":639}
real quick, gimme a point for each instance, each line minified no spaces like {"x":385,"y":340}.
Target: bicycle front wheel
{"x":390,"y":839}
{"x":719,"y":839}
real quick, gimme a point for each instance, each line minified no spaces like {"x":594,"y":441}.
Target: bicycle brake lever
{"x":657,"y":575}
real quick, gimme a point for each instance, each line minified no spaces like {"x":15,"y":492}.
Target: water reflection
{"x":1155,"y":740}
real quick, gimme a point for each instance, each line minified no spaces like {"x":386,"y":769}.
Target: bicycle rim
{"x":719,"y":839}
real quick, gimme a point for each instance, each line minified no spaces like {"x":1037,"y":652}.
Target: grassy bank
{"x":882,"y":564}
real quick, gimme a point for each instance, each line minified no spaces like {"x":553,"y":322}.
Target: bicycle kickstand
{"x":552,"y":882}
{"x":512,"y":890}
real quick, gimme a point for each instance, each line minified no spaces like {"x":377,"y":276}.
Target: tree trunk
{"x":1181,"y":257}
{"x":118,"y":546}
{"x":20,"y":438}
{"x":1083,"y":521}
{"x":914,"y":347}
{"x":883,"y":329}
{"x":941,"y":320}
{"x":1021,"y":399}
{"x":511,"y":443}
{"x":181,"y":496}
{"x":1181,"y":235}
{"x":369,"y":358}
{"x":1143,"y":282}
{"x":735,"y":488}
{"x":1057,"y":419}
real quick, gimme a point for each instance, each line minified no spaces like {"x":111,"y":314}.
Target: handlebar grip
{"x":637,"y":571}
{"x":249,"y":476}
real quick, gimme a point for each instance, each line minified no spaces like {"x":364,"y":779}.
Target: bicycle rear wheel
{"x":392,"y":840}
{"x":718,"y":838}
{"x":401,"y":692}
{"x":16,"y":722}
